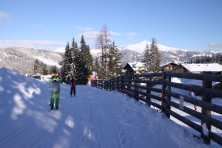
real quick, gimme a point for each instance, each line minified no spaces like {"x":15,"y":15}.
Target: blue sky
{"x":186,"y":24}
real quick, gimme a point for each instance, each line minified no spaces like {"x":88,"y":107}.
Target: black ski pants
{"x":73,"y":90}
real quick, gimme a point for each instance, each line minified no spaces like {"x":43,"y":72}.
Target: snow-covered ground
{"x":94,"y":118}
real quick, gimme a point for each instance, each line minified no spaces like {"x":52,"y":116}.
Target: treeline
{"x":108,"y":64}
{"x":152,"y":57}
{"x":215,"y":58}
{"x":78,"y":62}
{"x":41,"y":68}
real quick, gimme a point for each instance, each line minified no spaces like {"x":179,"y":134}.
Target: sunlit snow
{"x":94,"y":118}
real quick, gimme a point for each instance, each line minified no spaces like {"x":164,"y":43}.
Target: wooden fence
{"x":162,"y":92}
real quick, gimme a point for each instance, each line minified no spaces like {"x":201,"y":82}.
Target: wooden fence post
{"x":163,"y":91}
{"x":121,"y":84}
{"x":127,"y":86}
{"x":117,"y":83}
{"x":148,"y":91}
{"x":111,"y":84}
{"x":166,"y":98}
{"x":106,"y":84}
{"x":102,"y":84}
{"x":136,"y":95}
{"x":99,"y":84}
{"x":95,"y":83}
{"x":206,"y":127}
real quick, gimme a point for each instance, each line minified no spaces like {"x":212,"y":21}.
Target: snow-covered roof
{"x":211,"y":67}
{"x":136,"y":64}
{"x":164,"y":64}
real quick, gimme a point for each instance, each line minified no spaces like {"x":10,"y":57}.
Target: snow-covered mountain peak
{"x":60,"y":50}
{"x":140,"y":47}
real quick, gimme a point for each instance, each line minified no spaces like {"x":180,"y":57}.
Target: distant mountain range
{"x":134,"y":52}
{"x":22,"y":59}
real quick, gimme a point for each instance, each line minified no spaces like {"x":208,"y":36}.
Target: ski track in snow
{"x":94,"y":118}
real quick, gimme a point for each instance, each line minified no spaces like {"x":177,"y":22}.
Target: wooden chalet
{"x":136,"y":67}
{"x":169,"y":66}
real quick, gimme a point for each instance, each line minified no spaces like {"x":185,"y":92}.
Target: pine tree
{"x":146,"y":59}
{"x":36,"y":66}
{"x":96,"y":66}
{"x":44,"y":69}
{"x":74,"y":61}
{"x":86,"y":62}
{"x":152,"y":57}
{"x":114,"y":63}
{"x":65,"y":64}
{"x":156,"y":58}
{"x":40,"y":67}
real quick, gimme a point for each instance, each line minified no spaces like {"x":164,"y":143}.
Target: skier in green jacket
{"x":55,"y":85}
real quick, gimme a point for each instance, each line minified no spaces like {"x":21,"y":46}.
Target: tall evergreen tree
{"x":36,"y":66}
{"x":155,"y":55}
{"x":75,"y":62}
{"x":114,"y":63}
{"x":65,"y":64}
{"x":44,"y":69}
{"x":96,"y":66}
{"x":40,"y":67}
{"x":152,"y":57}
{"x":86,"y":62}
{"x":146,"y":59}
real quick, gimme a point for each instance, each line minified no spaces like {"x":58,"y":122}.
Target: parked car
{"x":36,"y":77}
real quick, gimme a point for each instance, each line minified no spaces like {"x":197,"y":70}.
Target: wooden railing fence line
{"x":160,"y":92}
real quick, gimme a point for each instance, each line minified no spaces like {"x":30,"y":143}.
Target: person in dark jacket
{"x":73,"y":87}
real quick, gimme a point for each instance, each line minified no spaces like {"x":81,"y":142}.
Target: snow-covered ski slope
{"x":94,"y":118}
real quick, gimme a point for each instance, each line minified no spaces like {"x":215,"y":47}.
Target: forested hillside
{"x":22,"y":59}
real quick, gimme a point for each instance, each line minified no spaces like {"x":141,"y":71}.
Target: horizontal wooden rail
{"x":157,"y":90}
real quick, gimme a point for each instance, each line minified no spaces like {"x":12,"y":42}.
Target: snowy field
{"x":94,"y":118}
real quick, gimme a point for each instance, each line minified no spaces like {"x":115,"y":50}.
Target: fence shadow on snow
{"x":160,"y":91}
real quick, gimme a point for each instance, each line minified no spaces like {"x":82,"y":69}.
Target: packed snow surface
{"x":93,"y":118}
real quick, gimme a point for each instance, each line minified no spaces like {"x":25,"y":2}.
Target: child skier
{"x":55,"y":80}
{"x":73,"y":87}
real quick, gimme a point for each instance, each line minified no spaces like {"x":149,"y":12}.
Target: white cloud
{"x":215,"y":45}
{"x":115,"y":33}
{"x":131,"y":35}
{"x":4,"y":16}
{"x":89,"y":34}
{"x":31,"y":44}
